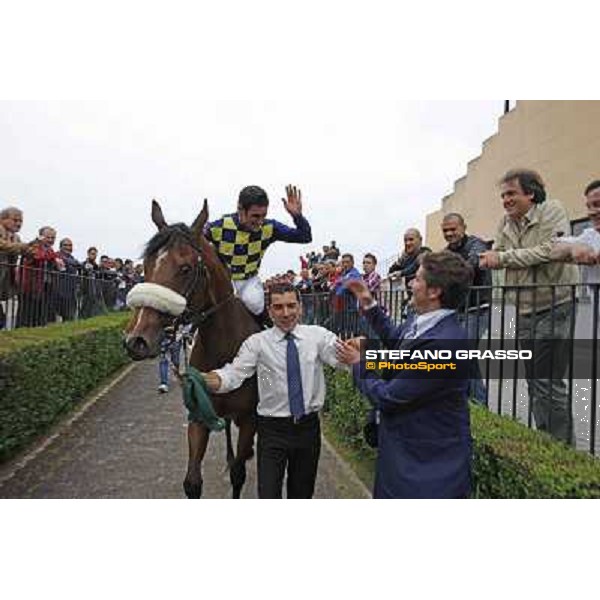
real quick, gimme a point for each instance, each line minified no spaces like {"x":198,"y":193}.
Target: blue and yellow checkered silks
{"x":242,"y":251}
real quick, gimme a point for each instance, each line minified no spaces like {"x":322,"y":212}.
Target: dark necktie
{"x":295,"y":395}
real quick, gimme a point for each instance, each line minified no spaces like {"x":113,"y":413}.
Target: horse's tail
{"x":230,"y":454}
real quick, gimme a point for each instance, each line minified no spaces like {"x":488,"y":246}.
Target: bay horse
{"x":184,"y":276}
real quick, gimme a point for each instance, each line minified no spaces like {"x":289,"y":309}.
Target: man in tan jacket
{"x":11,"y":219}
{"x":523,"y":247}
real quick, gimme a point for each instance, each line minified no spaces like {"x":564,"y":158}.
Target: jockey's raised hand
{"x":293,"y":204}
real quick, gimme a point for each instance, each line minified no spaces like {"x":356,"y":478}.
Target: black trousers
{"x":282,"y":444}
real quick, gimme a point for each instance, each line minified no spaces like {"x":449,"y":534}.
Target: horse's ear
{"x":200,"y":222}
{"x":157,"y":215}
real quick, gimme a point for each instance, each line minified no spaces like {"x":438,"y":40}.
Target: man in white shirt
{"x":584,"y":249}
{"x":288,"y":360}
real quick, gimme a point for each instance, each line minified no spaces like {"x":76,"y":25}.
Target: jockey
{"x":241,"y":240}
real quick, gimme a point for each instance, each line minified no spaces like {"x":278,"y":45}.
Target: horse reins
{"x":190,"y":315}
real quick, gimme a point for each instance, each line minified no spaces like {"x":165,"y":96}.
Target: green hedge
{"x":512,"y":461}
{"x":509,"y":460}
{"x":46,"y":371}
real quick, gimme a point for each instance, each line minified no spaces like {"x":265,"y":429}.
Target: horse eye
{"x":185,"y":269}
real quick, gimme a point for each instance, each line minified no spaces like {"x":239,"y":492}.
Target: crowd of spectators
{"x":320,"y":281}
{"x":322,"y":276}
{"x":40,"y":284}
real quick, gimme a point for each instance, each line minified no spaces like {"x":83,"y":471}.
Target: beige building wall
{"x":559,"y":139}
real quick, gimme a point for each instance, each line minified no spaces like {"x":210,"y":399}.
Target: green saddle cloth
{"x":197,"y":401}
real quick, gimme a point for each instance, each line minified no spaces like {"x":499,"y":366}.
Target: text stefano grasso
{"x":498,"y":354}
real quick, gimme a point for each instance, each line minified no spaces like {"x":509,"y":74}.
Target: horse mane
{"x":167,"y":237}
{"x":180,"y":233}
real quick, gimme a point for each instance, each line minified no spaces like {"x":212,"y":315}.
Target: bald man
{"x":11,"y":247}
{"x":407,"y":264}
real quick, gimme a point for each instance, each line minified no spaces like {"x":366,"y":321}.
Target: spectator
{"x":37,"y":302}
{"x":11,"y":248}
{"x":331,"y":252}
{"x":130,"y":277}
{"x":122,"y":285}
{"x":92,"y":303}
{"x":307,"y":297}
{"x":332,"y":272}
{"x":584,"y":249}
{"x":67,"y":281}
{"x":291,"y":277}
{"x":138,"y":276}
{"x":407,"y":264}
{"x":334,"y":251}
{"x":424,"y":438}
{"x":305,"y":284}
{"x":370,"y":276}
{"x":109,"y":281}
{"x":372,"y":280}
{"x":320,"y":279}
{"x":523,"y":247}
{"x":170,"y":347}
{"x":288,"y":360}
{"x":346,"y":313}
{"x":476,"y":313}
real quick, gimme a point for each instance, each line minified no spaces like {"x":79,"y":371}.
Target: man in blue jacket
{"x":424,"y":431}
{"x":346,"y":321}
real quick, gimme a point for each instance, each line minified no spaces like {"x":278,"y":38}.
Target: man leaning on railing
{"x":11,"y":247}
{"x":36,"y":302}
{"x":584,"y":249}
{"x":475,"y":314}
{"x":523,"y":247}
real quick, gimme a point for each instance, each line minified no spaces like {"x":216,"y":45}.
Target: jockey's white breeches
{"x":251,"y":293}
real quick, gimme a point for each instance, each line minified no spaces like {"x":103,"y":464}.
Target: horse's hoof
{"x":192,"y":490}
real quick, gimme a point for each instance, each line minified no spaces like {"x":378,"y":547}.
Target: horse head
{"x":178,"y":262}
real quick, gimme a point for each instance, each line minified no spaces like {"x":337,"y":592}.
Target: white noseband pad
{"x":158,"y":297}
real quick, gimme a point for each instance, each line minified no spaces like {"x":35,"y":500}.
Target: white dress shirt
{"x":265,"y":353}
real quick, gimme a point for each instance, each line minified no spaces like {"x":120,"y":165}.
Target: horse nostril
{"x":137,"y":347}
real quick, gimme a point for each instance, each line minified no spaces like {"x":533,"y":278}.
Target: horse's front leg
{"x":245,"y":451}
{"x":198,"y":435}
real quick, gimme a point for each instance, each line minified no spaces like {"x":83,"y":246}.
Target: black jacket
{"x":470,"y":247}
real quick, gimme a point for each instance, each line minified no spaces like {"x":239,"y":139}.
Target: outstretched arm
{"x":232,"y":375}
{"x":582,"y":254}
{"x":380,"y":322}
{"x":387,"y":395}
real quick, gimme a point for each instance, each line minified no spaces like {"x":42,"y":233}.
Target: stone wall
{"x":559,"y":139}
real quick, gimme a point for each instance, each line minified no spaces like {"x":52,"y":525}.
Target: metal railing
{"x":37,"y":296}
{"x":498,"y":316}
{"x":561,"y":321}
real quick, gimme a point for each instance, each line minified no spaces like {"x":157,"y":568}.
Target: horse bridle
{"x":194,"y":316}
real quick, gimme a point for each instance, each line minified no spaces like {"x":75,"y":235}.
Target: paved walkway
{"x":131,"y":443}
